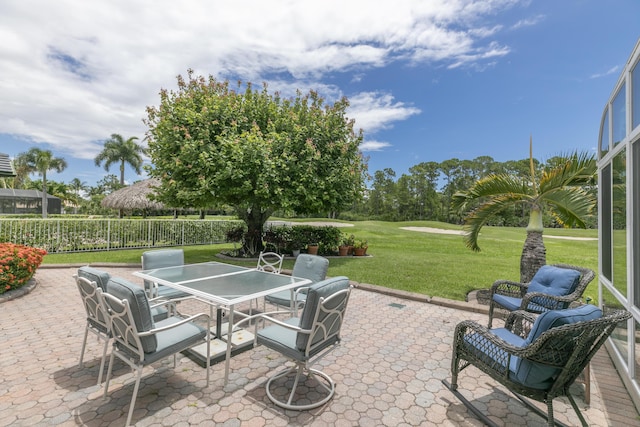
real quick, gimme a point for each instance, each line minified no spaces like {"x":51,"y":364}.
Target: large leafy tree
{"x":118,"y":150}
{"x":255,"y":151}
{"x":40,"y":161}
{"x":562,"y":189}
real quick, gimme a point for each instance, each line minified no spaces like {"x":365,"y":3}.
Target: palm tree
{"x":562,"y":189}
{"x":118,"y":150}
{"x":40,"y":161}
{"x":77,"y":187}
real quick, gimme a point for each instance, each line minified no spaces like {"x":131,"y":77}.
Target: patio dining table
{"x":223,"y":286}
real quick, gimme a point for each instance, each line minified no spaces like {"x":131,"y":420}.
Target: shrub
{"x":18,"y":264}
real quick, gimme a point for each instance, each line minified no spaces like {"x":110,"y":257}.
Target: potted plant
{"x":346,"y":245}
{"x":312,"y":248}
{"x":360,"y":247}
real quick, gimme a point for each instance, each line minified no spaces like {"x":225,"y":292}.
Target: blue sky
{"x":427,"y":80}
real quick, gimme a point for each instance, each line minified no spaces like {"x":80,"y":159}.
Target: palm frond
{"x":578,"y":170}
{"x":490,"y":186}
{"x":476,"y":219}
{"x":570,"y":205}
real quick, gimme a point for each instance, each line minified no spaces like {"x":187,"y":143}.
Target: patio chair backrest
{"x":559,"y":348}
{"x":96,"y":315}
{"x":270,"y":262}
{"x":323,"y":314}
{"x":553,"y":280}
{"x":94,"y":275}
{"x":139,"y":309}
{"x":312,"y":267}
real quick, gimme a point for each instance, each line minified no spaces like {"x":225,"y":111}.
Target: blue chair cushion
{"x":312,"y":267}
{"x":282,"y":339}
{"x":94,"y":275}
{"x":530,"y":374}
{"x":537,"y":375}
{"x":513,"y":303}
{"x":175,"y":339}
{"x":160,"y":258}
{"x":555,"y":281}
{"x":322,"y":289}
{"x":139,"y":305}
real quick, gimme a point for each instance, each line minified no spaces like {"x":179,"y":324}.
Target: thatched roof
{"x":134,"y":196}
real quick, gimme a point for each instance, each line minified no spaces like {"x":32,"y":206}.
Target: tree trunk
{"x":45,"y":207}
{"x":255,"y":219}
{"x":534,"y":254}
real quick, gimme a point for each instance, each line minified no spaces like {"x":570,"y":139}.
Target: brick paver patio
{"x":388,"y":371}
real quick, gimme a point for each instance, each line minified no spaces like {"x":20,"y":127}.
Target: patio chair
{"x":160,"y":258}
{"x":97,"y":320}
{"x":312,"y":267}
{"x":88,"y":279}
{"x":305,"y":341}
{"x":138,"y":340}
{"x":553,"y":287}
{"x":270,"y":261}
{"x":533,"y":356}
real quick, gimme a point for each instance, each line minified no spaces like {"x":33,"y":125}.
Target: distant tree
{"x":77,"y":187}
{"x":118,"y":150}
{"x":562,"y":189}
{"x":121,"y":151}
{"x":41,"y":161}
{"x":257,"y":152}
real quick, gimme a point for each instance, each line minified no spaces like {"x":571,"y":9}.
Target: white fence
{"x":77,"y":235}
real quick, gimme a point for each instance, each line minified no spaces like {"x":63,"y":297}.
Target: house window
{"x":619,"y":119}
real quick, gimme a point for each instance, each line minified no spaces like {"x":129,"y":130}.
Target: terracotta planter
{"x":359,"y":251}
{"x":343,"y":250}
{"x":313,"y":250}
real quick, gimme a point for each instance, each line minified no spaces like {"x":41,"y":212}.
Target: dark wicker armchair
{"x":536,"y":357}
{"x":553,"y":287}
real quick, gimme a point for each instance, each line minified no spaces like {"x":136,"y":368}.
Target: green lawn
{"x":432,"y":264}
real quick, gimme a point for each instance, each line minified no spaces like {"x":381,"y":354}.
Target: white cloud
{"x":374,"y":146}
{"x":72,"y":73}
{"x":374,"y":111}
{"x":612,"y":70}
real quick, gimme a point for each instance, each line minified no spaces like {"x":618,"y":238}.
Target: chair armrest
{"x":509,"y":288}
{"x":520,"y":322}
{"x":469,"y":327}
{"x":549,"y":302}
{"x":268,"y":316}
{"x":173,"y":325}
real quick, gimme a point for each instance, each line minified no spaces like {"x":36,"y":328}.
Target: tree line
{"x":426,"y":192}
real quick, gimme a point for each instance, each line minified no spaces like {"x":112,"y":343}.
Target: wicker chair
{"x":533,"y":356}
{"x":553,"y":287}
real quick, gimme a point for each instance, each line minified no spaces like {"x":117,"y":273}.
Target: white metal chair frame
{"x":97,"y":319}
{"x":127,"y":345}
{"x":270,"y":262}
{"x":314,"y":352}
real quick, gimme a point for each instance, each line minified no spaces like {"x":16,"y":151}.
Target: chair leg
{"x":135,"y":394}
{"x":109,"y":371}
{"x":490,"y":315}
{"x":575,"y":408}
{"x":104,"y":357}
{"x":323,"y":380}
{"x":84,"y":345}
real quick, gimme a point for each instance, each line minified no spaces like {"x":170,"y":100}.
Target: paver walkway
{"x":388,"y":371}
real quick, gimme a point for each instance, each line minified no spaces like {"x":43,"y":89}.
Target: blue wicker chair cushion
{"x":536,"y":375}
{"x":94,"y":275}
{"x":140,"y":310}
{"x":556,"y":281}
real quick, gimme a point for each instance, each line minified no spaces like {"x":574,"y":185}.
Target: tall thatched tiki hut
{"x":135,"y":196}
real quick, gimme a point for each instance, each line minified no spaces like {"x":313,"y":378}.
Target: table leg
{"x":229,"y":344}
